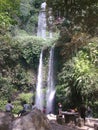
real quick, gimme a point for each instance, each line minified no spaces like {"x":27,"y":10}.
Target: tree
{"x":78,"y":77}
{"x":82,"y":13}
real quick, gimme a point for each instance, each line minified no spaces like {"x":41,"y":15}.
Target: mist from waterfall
{"x":50,"y":95}
{"x":41,"y":32}
{"x":39,"y":101}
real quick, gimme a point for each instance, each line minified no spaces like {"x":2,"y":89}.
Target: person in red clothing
{"x":44,"y":110}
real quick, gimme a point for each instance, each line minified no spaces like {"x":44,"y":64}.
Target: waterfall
{"x":39,"y":88}
{"x":50,"y":83}
{"x":41,"y":32}
{"x":50,"y":22}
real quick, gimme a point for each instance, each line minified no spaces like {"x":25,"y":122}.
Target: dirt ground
{"x":89,"y":124}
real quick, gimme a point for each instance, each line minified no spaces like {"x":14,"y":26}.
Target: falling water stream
{"x":41,"y":32}
{"x":50,"y":82}
{"x":39,"y":87}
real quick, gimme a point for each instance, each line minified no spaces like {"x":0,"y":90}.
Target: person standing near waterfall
{"x":60,"y":109}
{"x":82,"y":111}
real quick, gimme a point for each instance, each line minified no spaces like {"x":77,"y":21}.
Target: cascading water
{"x":51,"y":86}
{"x":41,"y":32}
{"x":50,"y":22}
{"x":39,"y":88}
{"x":50,"y":83}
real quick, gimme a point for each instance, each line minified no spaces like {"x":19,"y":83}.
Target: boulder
{"x":59,"y":119}
{"x":96,"y":126}
{"x":34,"y":120}
{"x":5,"y":120}
{"x":80,"y":122}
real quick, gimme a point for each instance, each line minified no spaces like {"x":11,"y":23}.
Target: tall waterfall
{"x":51,"y":86}
{"x":41,"y":32}
{"x":39,"y":88}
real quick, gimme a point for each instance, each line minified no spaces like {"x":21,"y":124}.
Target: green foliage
{"x":25,"y":97}
{"x":31,"y":46}
{"x":71,"y":7}
{"x":30,"y":50}
{"x":10,"y":6}
{"x":19,"y":59}
{"x":20,"y":79}
{"x":29,"y":15}
{"x":17,"y":106}
{"x":78,"y":78}
{"x":37,"y":3}
{"x":8,"y":53}
{"x":12,"y":65}
{"x":18,"y":102}
{"x":31,"y":24}
{"x":95,"y":109}
{"x":5,"y":20}
{"x":9,"y":9}
{"x":6,"y":89}
{"x":83,"y":14}
{"x":25,"y":8}
{"x":2,"y":104}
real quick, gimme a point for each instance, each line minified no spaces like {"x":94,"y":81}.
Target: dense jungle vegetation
{"x":76,"y":43}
